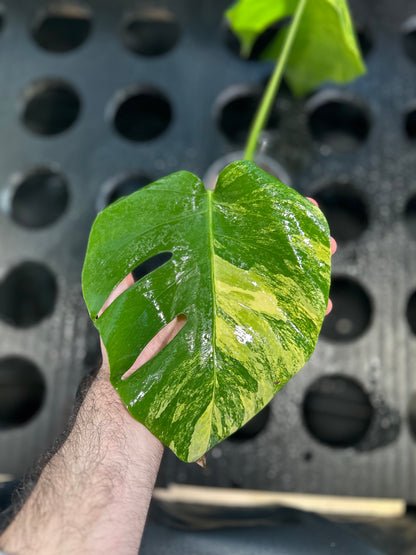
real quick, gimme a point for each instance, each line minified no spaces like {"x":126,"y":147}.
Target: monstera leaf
{"x":325,"y":46}
{"x":250,"y":270}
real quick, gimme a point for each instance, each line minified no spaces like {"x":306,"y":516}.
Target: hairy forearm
{"x":93,"y":495}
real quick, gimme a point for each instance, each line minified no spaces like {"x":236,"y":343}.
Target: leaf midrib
{"x":213,"y":298}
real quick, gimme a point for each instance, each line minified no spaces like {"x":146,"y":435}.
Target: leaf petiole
{"x":263,"y":111}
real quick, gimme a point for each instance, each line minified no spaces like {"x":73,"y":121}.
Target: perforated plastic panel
{"x":98,"y":95}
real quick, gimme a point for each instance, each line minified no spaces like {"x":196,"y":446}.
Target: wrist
{"x":106,"y":405}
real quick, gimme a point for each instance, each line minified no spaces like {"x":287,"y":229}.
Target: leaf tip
{"x":202,"y":461}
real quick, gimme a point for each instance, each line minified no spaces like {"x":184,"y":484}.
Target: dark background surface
{"x":83,"y":115}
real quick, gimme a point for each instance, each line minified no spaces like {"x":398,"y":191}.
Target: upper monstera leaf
{"x":325,"y":47}
{"x":250,"y":269}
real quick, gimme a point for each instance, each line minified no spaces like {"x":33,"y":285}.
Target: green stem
{"x":263,"y":111}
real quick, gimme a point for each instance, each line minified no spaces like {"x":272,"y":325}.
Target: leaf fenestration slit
{"x":142,"y":270}
{"x":150,"y":265}
{"x":157,"y":343}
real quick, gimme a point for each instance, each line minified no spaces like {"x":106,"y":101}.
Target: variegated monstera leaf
{"x":250,"y":270}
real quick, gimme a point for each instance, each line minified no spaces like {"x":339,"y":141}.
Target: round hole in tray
{"x":22,"y":391}
{"x":410,"y":123}
{"x":125,"y":186}
{"x":150,"y":32}
{"x":142,"y":114}
{"x":345,"y":210}
{"x":27,"y":294}
{"x":337,"y":411}
{"x":264,"y":40}
{"x":410,"y":216}
{"x":411,"y":312}
{"x":253,"y":427}
{"x":409,"y":37}
{"x":351,"y":313}
{"x":50,"y":107}
{"x":337,"y":120}
{"x":39,"y":198}
{"x":62,"y":27}
{"x":235,"y":109}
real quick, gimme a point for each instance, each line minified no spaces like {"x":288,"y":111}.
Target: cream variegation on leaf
{"x":250,"y":269}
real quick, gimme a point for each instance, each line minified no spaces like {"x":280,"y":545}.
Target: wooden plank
{"x":324,"y":504}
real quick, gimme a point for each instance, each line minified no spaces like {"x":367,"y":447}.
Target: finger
{"x":333,"y":242}
{"x":116,"y":292}
{"x":334,"y":245}
{"x":157,"y":343}
{"x":329,"y":307}
{"x":313,"y":201}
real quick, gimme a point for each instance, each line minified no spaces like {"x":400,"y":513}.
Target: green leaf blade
{"x":325,"y":48}
{"x":250,"y":270}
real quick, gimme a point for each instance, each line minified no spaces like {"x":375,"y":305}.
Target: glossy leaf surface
{"x":325,"y":47}
{"x":250,"y":269}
